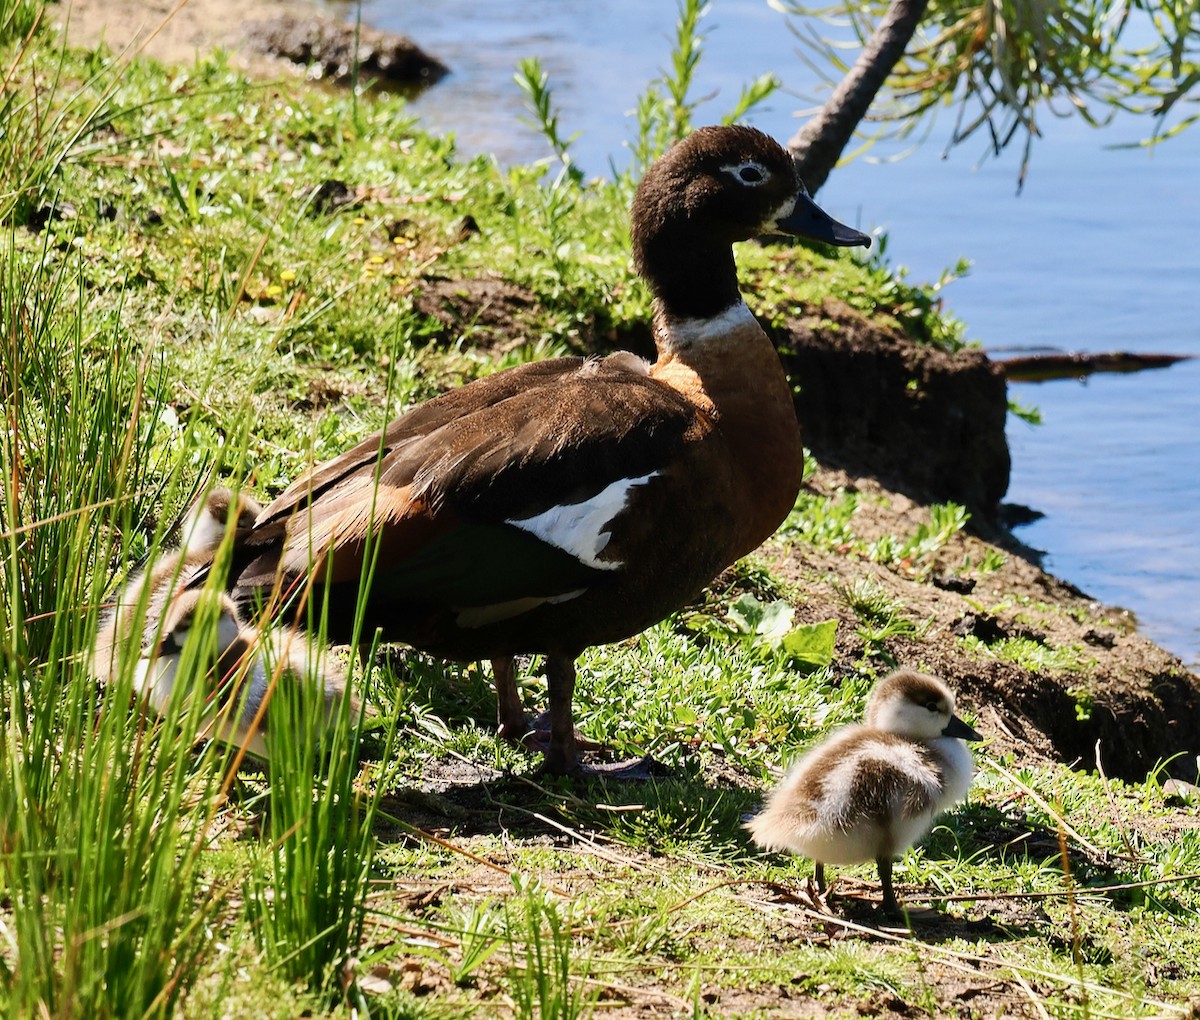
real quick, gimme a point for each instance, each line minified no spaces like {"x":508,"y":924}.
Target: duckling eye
{"x":933,"y":706}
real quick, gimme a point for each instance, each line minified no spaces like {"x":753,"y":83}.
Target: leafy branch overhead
{"x":1001,"y":67}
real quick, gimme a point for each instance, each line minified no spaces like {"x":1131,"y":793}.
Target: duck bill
{"x":958,"y":728}
{"x":807,"y":219}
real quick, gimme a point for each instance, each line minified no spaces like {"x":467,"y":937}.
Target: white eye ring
{"x":751,"y":173}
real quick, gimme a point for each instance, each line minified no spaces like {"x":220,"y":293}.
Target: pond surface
{"x":1100,"y":252}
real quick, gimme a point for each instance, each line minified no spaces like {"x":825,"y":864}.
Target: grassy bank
{"x":206,"y":278}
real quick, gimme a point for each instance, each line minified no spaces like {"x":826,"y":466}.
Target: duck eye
{"x":751,"y":174}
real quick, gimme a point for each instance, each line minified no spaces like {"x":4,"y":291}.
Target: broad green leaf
{"x":812,"y":643}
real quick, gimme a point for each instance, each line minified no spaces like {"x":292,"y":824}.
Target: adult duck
{"x":572,"y":502}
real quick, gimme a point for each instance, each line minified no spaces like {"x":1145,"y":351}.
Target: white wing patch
{"x":581,"y":528}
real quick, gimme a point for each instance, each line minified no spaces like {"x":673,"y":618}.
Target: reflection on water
{"x":1098,"y":253}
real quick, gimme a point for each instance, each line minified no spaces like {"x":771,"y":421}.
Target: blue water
{"x":1100,"y":252}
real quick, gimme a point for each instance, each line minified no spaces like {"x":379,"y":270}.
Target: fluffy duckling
{"x":870,"y":791}
{"x":246,"y":663}
{"x":152,"y":589}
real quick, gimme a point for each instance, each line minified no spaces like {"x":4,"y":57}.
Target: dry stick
{"x":1037,"y":1003}
{"x":445,"y":844}
{"x":1118,"y":821}
{"x":1056,"y":893}
{"x":1073,"y":914}
{"x":37,"y":21}
{"x":1046,"y":806}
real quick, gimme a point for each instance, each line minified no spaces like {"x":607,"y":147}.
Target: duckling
{"x":870,"y":791}
{"x":204,"y":526}
{"x":572,"y":502}
{"x":246,"y":663}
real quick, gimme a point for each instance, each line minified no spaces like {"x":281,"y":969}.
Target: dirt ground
{"x":175,"y":31}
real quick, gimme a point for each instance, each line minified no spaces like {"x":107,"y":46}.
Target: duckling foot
{"x":816,"y":897}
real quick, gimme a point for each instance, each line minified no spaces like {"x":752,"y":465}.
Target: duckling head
{"x":207,"y":521}
{"x":917,"y":706}
{"x":155,"y":674}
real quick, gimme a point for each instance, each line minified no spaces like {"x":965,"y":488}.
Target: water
{"x":1099,"y":253}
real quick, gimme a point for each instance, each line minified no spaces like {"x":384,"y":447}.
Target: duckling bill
{"x":872,"y":790}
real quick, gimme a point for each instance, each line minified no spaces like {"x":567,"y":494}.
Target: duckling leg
{"x":889,"y":905}
{"x":819,"y":876}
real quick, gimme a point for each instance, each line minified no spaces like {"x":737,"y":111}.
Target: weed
{"x":547,"y":977}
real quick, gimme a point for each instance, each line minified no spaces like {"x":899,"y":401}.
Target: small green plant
{"x":479,"y":939}
{"x":945,"y":521}
{"x":767,"y":629}
{"x":991,"y":561}
{"x":547,"y":975}
{"x":882,"y":617}
{"x":1031,"y":654}
{"x":1029,"y":414}
{"x":535,"y":83}
{"x":822,"y":521}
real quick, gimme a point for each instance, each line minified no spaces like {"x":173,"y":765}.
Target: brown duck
{"x":573,"y":502}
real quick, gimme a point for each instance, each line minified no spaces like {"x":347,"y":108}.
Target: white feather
{"x":581,"y":529}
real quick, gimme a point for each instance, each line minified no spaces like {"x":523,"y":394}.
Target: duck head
{"x":717,"y":186}
{"x":917,"y":706}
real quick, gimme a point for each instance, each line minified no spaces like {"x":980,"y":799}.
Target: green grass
{"x":178,"y":308}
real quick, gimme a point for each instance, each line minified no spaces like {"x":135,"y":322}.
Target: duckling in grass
{"x":870,"y":791}
{"x":245,"y":663}
{"x":148,"y":592}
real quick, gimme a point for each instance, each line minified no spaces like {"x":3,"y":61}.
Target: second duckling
{"x":147,"y":594}
{"x":870,"y":791}
{"x":247,"y":664}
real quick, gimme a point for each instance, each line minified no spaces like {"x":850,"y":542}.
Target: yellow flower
{"x":288,"y":275}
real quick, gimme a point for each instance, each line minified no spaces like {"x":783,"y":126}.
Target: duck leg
{"x":514,"y":726}
{"x":562,"y":754}
{"x":889,"y":905}
{"x":819,"y":876}
{"x":565,"y":745}
{"x":510,"y":713}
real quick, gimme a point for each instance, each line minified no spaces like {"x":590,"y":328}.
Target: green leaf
{"x":812,"y":643}
{"x":776,"y":622}
{"x":745,"y":613}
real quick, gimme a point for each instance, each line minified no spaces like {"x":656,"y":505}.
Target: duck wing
{"x":496,"y":497}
